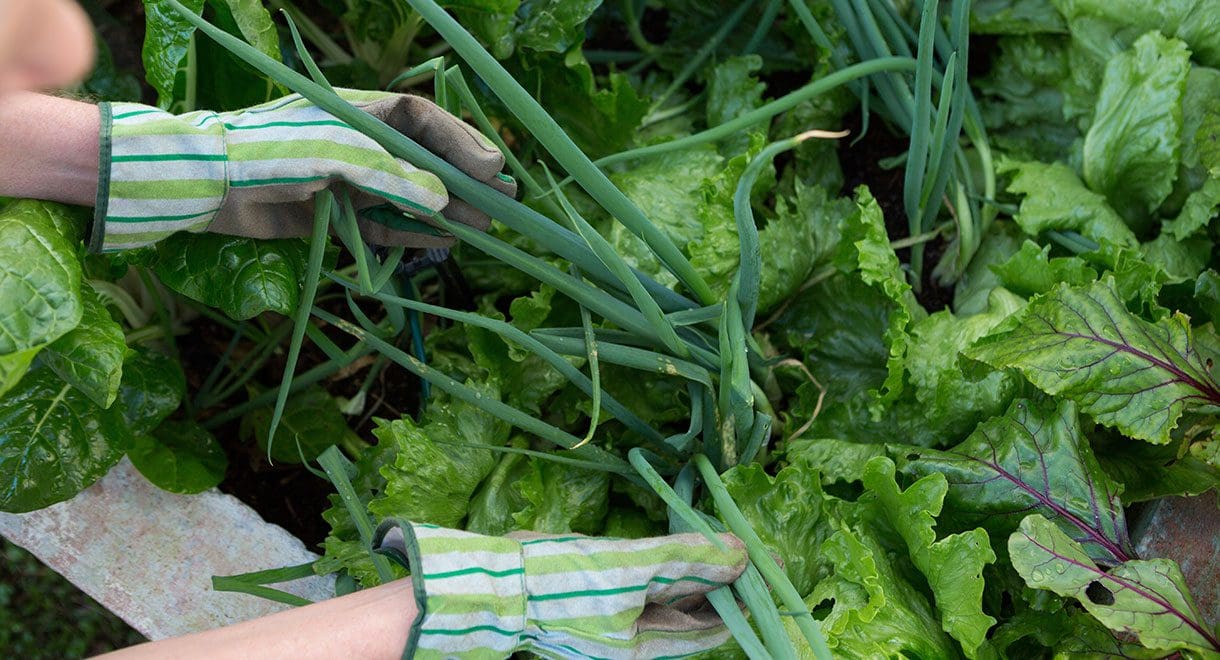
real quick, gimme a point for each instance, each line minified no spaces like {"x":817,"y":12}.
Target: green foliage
{"x":1083,"y":344}
{"x":243,"y":277}
{"x":55,"y":442}
{"x":1146,"y":598}
{"x":90,"y":357}
{"x":181,"y":457}
{"x":40,"y":286}
{"x":1132,"y":148}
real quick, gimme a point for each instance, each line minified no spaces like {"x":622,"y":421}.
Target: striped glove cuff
{"x":166,"y":174}
{"x":470,"y":590}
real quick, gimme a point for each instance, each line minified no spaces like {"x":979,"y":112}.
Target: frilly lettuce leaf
{"x":1055,"y":198}
{"x":438,"y":464}
{"x":952,"y":565}
{"x":1032,"y":271}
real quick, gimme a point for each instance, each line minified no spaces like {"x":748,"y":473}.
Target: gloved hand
{"x":561,"y":596}
{"x":254,"y":172}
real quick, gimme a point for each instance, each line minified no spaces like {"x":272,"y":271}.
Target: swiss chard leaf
{"x":40,"y":284}
{"x":180,"y":457}
{"x":243,"y":277}
{"x":1132,"y":149}
{"x":952,"y":565}
{"x":90,"y":357}
{"x":1082,"y":343}
{"x":1146,"y":598}
{"x":54,"y":442}
{"x":1034,"y":458}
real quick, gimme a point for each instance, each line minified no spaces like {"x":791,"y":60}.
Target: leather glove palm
{"x":254,"y":172}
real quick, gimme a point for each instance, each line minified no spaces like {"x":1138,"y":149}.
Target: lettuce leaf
{"x":952,"y":565}
{"x":1132,"y":149}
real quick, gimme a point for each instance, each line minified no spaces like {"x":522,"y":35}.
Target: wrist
{"x":50,"y":148}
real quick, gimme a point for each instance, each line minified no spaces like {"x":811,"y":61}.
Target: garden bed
{"x":982,"y":336}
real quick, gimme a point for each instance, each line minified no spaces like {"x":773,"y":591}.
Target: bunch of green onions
{"x":705,"y":342}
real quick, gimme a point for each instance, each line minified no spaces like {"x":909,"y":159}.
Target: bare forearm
{"x":367,"y":625}
{"x":48,"y":148}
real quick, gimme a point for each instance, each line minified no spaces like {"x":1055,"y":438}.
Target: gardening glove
{"x":254,"y":172}
{"x":561,"y":596}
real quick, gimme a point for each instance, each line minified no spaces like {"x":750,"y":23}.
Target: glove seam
{"x":97,"y":229}
{"x":224,"y":149}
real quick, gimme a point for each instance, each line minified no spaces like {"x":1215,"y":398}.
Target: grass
{"x":43,"y":616}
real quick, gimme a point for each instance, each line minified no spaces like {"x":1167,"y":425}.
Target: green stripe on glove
{"x":569,"y":596}
{"x":254,"y":172}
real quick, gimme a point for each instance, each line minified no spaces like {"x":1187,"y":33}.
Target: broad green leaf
{"x":600,"y":115}
{"x":1033,"y":459}
{"x":1055,"y":198}
{"x":787,"y":513}
{"x":733,"y":89}
{"x":498,"y":498}
{"x":181,"y":457}
{"x":167,"y":39}
{"x":255,"y":24}
{"x":90,"y":357}
{"x":152,"y":388}
{"x":243,"y":277}
{"x":1032,"y":271}
{"x":794,"y":240}
{"x":438,"y":465}
{"x":952,"y":565}
{"x":40,"y":284}
{"x":667,"y":190}
{"x":948,"y":404}
{"x":1083,"y":344}
{"x":1179,"y":260}
{"x":973,"y":288}
{"x":1132,"y":149}
{"x":311,"y":423}
{"x":1021,"y":99}
{"x":54,"y":442}
{"x":1145,"y":598}
{"x":866,"y":247}
{"x":1208,"y":140}
{"x":553,"y":25}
